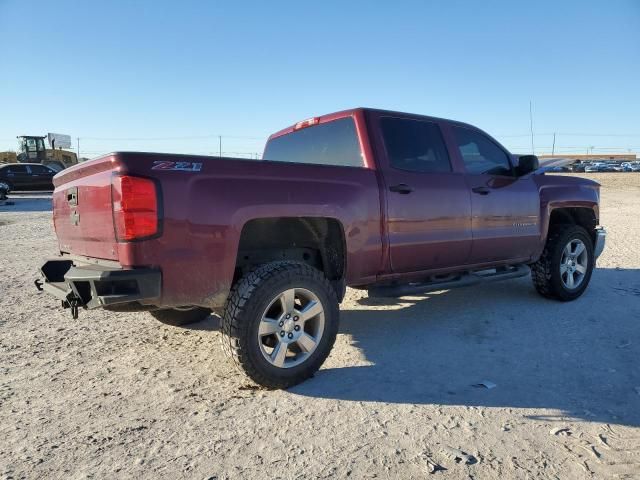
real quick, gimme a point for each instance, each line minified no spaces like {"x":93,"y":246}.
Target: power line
{"x":570,"y":134}
{"x":192,"y":137}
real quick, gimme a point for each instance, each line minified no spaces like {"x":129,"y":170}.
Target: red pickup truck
{"x":390,"y":202}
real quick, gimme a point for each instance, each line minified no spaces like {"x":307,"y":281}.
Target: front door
{"x":505,"y":208}
{"x":41,"y":177}
{"x":428,"y":205}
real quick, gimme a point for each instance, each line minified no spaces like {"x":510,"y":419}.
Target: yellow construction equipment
{"x":31,"y":149}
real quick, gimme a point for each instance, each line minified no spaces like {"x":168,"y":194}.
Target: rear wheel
{"x":564,"y":269}
{"x":181,"y":315}
{"x":280,"y":323}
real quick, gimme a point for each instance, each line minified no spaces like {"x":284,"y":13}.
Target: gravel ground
{"x":123,"y":396}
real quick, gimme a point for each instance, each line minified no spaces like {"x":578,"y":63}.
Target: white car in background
{"x":594,"y":167}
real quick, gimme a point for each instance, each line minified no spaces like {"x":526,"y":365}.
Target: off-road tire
{"x":177,"y":318}
{"x":545,"y":273}
{"x":243,"y":311}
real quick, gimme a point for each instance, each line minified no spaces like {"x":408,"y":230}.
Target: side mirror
{"x":527,"y":164}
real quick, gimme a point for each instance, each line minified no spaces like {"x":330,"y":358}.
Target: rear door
{"x":505,"y":208}
{"x":41,"y":177}
{"x":428,"y":206}
{"x":18,"y":176}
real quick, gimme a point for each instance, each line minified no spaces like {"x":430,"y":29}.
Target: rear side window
{"x":415,"y":145}
{"x":16,"y":169}
{"x":331,"y":143}
{"x":480,"y":154}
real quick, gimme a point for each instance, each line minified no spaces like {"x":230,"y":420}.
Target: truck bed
{"x":204,"y":204}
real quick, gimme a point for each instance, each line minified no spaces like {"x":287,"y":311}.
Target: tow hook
{"x":72,"y":304}
{"x":38,"y":283}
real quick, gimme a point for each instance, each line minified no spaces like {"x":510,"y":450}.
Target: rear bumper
{"x":598,"y":247}
{"x":92,"y":286}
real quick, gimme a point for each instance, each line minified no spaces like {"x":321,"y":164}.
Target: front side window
{"x":415,"y":145}
{"x":40,"y":169}
{"x":330,"y":143}
{"x":480,"y":154}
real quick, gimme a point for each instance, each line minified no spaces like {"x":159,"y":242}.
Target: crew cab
{"x":391,"y":202}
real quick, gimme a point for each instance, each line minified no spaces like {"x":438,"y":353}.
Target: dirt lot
{"x":122,"y":396}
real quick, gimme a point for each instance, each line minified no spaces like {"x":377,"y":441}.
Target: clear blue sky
{"x":160,"y":69}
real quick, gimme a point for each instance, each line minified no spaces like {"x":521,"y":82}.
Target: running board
{"x":451,"y":281}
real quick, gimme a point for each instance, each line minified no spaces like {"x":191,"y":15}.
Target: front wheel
{"x":564,"y":269}
{"x":280,"y":323}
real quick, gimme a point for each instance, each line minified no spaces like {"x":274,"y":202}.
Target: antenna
{"x":533,"y":151}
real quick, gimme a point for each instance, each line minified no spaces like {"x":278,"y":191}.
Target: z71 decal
{"x":179,"y":166}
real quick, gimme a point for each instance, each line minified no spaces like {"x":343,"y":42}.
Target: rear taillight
{"x":135,"y":207}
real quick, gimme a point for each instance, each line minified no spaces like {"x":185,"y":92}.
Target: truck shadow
{"x":579,"y":357}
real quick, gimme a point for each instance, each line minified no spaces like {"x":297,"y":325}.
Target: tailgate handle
{"x":72,"y":196}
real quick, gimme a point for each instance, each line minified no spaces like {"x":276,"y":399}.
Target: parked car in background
{"x":592,"y":168}
{"x":27,"y":176}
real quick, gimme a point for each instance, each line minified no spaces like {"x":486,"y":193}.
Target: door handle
{"x":401,"y":188}
{"x":481,"y":190}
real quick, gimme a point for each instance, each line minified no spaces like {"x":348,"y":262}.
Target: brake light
{"x":135,"y":207}
{"x":309,"y":122}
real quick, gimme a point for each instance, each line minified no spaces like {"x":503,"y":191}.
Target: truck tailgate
{"x":82,"y":210}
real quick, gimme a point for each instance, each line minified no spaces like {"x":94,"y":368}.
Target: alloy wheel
{"x":291,"y":327}
{"x":573,"y":264}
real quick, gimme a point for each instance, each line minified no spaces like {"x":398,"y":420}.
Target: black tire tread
{"x":541,"y":270}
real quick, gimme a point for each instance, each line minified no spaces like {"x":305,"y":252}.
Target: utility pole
{"x":220,"y":145}
{"x":533,"y":151}
{"x":553,"y":149}
{"x":78,"y":140}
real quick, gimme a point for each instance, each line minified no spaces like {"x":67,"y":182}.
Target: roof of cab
{"x":350,"y":112}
